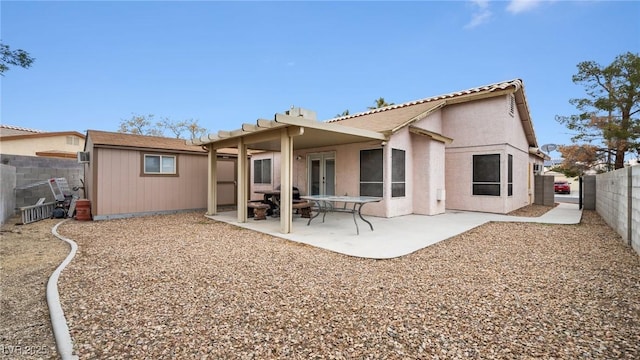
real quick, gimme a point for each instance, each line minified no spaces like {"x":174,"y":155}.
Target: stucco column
{"x":242,"y":180}
{"x":286,"y":180}
{"x":212,"y":188}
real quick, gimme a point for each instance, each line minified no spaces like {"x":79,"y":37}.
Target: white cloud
{"x":482,"y":14}
{"x":520,"y":6}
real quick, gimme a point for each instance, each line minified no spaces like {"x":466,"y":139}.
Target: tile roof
{"x":20,"y":128}
{"x":391,"y":117}
{"x":11,"y":130}
{"x":105,"y":138}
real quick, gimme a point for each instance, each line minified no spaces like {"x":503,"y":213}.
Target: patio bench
{"x":259,"y":209}
{"x":304,"y":207}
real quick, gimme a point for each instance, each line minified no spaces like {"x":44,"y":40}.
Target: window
{"x":262,"y":171}
{"x":371,"y":172}
{"x":160,"y":164}
{"x":72,"y":140}
{"x":510,"y":176}
{"x":486,"y":174}
{"x":397,"y":173}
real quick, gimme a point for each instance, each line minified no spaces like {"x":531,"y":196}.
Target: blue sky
{"x":228,"y":63}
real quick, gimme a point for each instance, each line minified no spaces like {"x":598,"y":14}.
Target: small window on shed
{"x":160,"y":164}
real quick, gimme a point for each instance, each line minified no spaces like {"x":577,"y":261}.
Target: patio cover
{"x":275,"y":135}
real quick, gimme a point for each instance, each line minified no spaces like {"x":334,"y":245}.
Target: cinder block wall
{"x":544,"y":193}
{"x":7,"y":199}
{"x":32,"y":169}
{"x":618,"y":202}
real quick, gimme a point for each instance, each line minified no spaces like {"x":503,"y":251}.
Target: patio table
{"x":271,"y":197}
{"x":326,"y":203}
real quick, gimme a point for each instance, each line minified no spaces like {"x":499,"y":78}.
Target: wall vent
{"x":512,"y":105}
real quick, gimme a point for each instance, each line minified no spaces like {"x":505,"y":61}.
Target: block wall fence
{"x":618,"y":203}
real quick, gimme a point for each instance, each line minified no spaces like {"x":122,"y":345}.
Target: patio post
{"x":242,"y":180}
{"x":212,"y":199}
{"x":286,"y":179}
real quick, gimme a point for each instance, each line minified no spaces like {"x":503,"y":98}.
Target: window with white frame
{"x":160,"y":164}
{"x":262,"y":171}
{"x":397,"y":173}
{"x":371,"y":181}
{"x":486,"y":174}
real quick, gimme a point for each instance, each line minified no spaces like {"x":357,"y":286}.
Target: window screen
{"x":371,"y":181}
{"x":510,"y":176}
{"x":262,"y":171}
{"x":486,"y":174}
{"x":397,"y":173}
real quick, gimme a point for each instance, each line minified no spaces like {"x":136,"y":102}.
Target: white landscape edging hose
{"x":58,"y":321}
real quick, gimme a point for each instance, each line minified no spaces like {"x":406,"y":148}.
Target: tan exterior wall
{"x":29,"y":147}
{"x":437,"y":176}
{"x":121,"y":190}
{"x":485,"y":127}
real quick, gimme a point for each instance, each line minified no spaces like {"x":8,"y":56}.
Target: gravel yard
{"x":184,"y":286}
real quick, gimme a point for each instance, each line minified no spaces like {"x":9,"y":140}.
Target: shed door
{"x":227,"y":186}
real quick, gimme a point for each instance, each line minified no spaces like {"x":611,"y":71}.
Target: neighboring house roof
{"x":57,"y":154}
{"x":29,"y":142}
{"x":390,"y":119}
{"x":42,"y":135}
{"x":8,"y":130}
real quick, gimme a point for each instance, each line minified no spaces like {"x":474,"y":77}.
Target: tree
{"x":579,"y":158}
{"x":13,"y":57}
{"x":608,"y":111}
{"x":144,"y":125}
{"x":380,"y":103}
{"x":344,"y":113}
{"x":140,"y":125}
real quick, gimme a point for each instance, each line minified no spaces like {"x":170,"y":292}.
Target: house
{"x":17,"y":140}
{"x":472,"y":150}
{"x":133,"y":175}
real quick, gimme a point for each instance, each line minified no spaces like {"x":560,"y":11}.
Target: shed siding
{"x":121,"y":190}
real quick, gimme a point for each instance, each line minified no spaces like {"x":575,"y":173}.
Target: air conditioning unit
{"x":538,"y":169}
{"x":83,"y":157}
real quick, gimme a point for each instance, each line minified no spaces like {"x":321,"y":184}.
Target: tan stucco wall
{"x":485,"y":127}
{"x":29,"y":147}
{"x":434,"y":169}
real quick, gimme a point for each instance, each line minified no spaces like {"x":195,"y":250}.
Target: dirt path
{"x":28,"y":256}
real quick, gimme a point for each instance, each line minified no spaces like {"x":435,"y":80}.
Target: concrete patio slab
{"x":391,"y":237}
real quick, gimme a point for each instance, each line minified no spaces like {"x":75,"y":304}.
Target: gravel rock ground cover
{"x":183,"y":286}
{"x":28,"y":256}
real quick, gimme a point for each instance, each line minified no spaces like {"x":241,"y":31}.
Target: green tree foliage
{"x":13,"y":57}
{"x":344,"y":113}
{"x":145,"y":125}
{"x":609,"y":113}
{"x":380,"y":103}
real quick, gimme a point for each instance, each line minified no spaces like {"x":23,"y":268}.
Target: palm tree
{"x":344,"y":113}
{"x":380,"y":103}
